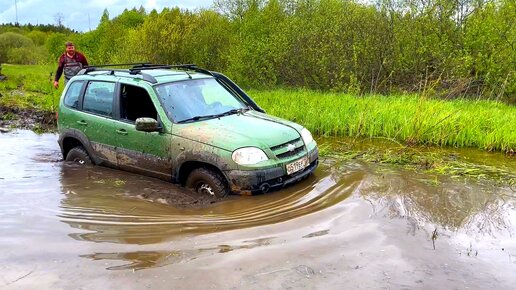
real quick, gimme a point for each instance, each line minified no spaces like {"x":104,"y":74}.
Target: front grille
{"x":278,"y":147}
{"x":283,"y":151}
{"x":290,"y":153}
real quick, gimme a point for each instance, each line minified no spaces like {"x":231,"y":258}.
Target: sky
{"x":82,"y":15}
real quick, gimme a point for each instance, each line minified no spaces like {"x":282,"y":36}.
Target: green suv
{"x":182,"y":124}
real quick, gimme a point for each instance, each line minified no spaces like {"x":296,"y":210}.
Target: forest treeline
{"x":445,"y":48}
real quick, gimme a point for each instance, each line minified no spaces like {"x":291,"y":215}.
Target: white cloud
{"x":82,"y":15}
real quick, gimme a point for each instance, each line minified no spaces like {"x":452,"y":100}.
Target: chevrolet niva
{"x":182,"y":124}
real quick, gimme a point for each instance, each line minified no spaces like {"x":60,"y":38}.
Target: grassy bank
{"x":29,"y":87}
{"x":487,"y":125}
{"x":405,"y":119}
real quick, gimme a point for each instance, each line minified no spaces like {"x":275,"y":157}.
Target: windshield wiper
{"x":197,"y":118}
{"x":235,"y":111}
{"x":205,"y":117}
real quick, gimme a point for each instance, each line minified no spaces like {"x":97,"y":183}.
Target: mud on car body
{"x":182,"y":124}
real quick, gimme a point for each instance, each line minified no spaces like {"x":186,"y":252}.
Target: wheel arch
{"x":72,"y":138}
{"x":189,"y":166}
{"x":69,"y":143}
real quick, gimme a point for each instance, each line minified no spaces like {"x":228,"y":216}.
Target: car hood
{"x":240,"y":130}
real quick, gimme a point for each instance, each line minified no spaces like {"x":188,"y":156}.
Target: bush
{"x":10,"y":40}
{"x":28,"y":55}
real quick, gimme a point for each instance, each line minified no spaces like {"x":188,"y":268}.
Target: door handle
{"x":121,"y":131}
{"x":82,"y":122}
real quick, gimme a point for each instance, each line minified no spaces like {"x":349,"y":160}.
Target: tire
{"x":207,"y":181}
{"x":79,"y":155}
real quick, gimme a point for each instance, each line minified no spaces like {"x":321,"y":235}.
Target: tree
{"x":59,"y":19}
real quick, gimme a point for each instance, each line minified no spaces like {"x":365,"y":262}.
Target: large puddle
{"x":351,"y":225}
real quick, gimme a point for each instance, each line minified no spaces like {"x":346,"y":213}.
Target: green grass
{"x":29,"y":87}
{"x":406,"y":119}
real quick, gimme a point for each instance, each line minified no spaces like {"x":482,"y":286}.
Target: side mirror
{"x":147,"y":125}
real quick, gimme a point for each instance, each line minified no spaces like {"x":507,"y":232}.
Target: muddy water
{"x":351,"y":225}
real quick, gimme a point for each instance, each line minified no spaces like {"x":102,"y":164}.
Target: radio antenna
{"x":16,"y":10}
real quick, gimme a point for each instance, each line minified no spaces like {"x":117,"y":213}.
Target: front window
{"x":193,"y":100}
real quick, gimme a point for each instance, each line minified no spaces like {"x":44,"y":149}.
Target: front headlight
{"x":248,"y":155}
{"x":307,"y":137}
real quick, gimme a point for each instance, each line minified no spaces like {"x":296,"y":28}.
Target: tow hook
{"x":265,"y":187}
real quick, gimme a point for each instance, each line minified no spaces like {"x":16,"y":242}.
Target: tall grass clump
{"x":412,"y":119}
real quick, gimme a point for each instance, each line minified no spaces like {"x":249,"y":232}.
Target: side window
{"x":71,"y":98}
{"x":98,"y":98}
{"x":135,"y":103}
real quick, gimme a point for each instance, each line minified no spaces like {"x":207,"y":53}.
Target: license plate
{"x":297,"y":165}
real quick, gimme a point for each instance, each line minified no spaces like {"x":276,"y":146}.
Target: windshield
{"x":196,"y":99}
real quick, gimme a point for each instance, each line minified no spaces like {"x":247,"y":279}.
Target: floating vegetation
{"x":428,"y":159}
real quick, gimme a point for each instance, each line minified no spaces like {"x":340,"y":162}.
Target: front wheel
{"x":207,"y":181}
{"x":79,"y":155}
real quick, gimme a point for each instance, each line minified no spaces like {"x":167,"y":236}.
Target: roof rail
{"x":121,"y":64}
{"x":138,"y":68}
{"x":88,"y":69}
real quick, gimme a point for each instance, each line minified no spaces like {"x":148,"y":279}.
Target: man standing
{"x":70,"y":62}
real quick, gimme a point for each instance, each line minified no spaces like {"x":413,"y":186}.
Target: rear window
{"x":72,"y":94}
{"x":98,"y":98}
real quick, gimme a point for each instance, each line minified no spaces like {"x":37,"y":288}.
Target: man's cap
{"x":69,"y":43}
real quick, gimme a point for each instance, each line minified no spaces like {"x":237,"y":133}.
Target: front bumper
{"x":264,"y":180}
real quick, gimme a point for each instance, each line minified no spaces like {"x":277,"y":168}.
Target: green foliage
{"x":452,"y":49}
{"x":38,"y":37}
{"x":490,"y":41}
{"x":27,"y":28}
{"x":27,"y":55}
{"x":56,"y":45}
{"x":11,"y":40}
{"x":162,"y":38}
{"x":209,"y":40}
{"x":88,"y":44}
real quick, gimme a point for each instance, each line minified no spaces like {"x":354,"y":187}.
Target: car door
{"x":95,"y":119}
{"x":138,"y":151}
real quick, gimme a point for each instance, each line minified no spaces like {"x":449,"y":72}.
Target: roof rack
{"x":137,"y":68}
{"x":190,"y":66}
{"x":148,"y":66}
{"x":89,"y":69}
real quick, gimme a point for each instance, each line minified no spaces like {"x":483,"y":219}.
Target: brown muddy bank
{"x":30,"y":119}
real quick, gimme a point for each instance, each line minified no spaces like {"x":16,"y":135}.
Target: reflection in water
{"x":141,"y":260}
{"x":101,"y":202}
{"x":150,"y":259}
{"x":473,"y":207}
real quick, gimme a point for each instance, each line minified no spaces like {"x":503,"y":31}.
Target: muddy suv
{"x":182,"y":124}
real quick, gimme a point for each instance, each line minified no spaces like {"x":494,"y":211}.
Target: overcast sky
{"x":82,"y":15}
